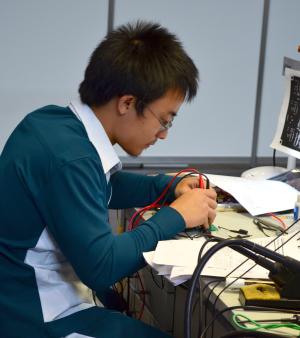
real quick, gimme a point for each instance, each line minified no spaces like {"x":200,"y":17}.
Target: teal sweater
{"x":51,"y":177}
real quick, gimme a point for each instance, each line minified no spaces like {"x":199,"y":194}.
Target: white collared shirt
{"x":97,"y":135}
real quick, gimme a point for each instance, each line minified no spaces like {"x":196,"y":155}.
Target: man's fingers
{"x":211,"y":193}
{"x":212,"y":204}
{"x":206,"y":224}
{"x":211,"y":216}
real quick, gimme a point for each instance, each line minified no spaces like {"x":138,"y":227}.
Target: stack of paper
{"x":177,"y":259}
{"x":257,"y":196}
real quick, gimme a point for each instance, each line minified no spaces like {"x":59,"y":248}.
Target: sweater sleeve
{"x":136,"y":190}
{"x":74,"y":207}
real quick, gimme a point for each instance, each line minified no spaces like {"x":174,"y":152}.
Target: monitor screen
{"x":287,"y":137}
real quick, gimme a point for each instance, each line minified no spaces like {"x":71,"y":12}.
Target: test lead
{"x":240,"y":231}
{"x":266,"y":223}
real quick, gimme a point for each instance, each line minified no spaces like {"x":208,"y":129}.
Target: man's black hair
{"x":142,"y":59}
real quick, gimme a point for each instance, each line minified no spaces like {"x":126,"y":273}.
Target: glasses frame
{"x":164,"y":126}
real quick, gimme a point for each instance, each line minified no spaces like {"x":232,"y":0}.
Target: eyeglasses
{"x":164,"y":125}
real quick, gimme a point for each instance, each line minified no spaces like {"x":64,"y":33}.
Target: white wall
{"x":45,"y":47}
{"x":223,"y":39}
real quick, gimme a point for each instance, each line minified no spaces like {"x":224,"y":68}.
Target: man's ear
{"x":125,"y":104}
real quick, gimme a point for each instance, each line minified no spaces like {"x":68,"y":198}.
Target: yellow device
{"x":265,"y":295}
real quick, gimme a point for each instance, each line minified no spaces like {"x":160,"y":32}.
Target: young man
{"x":59,"y":174}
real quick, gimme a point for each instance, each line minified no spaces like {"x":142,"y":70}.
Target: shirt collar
{"x":97,"y":135}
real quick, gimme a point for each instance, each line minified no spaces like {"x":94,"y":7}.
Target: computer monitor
{"x":287,"y":136}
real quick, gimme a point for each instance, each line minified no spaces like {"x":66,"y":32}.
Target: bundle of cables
{"x":161,"y":200}
{"x":195,"y":280}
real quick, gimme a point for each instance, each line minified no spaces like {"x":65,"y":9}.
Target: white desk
{"x":165,"y":304}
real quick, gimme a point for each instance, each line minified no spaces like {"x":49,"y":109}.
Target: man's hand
{"x":197,"y":207}
{"x":186,"y":185}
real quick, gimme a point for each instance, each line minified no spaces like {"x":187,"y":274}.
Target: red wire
{"x":284,"y":226}
{"x":153,"y":205}
{"x":133,"y":222}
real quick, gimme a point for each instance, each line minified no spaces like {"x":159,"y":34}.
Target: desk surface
{"x":235,"y":221}
{"x":231,"y":298}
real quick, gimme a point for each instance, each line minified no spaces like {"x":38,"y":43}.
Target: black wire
{"x":199,"y":269}
{"x":247,"y":307}
{"x":227,"y":286}
{"x":208,"y":297}
{"x":169,"y":191}
{"x":261,"y":228}
{"x":213,"y":288}
{"x":181,"y":178}
{"x":199,"y":298}
{"x":201,"y":291}
{"x":195,"y":282}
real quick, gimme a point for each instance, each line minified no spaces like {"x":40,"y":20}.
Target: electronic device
{"x":287,"y":136}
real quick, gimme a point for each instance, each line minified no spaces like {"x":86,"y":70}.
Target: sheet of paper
{"x":257,"y":196}
{"x":160,"y":268}
{"x":178,"y":252}
{"x":164,"y":270}
{"x":221,"y":264}
{"x":177,"y":259}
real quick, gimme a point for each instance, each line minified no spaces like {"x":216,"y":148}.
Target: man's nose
{"x":162,"y":134}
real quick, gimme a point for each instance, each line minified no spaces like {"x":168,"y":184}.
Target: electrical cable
{"x":247,"y":308}
{"x":201,"y":291}
{"x":237,"y":267}
{"x":242,"y":275}
{"x":240,"y":231}
{"x":194,"y":282}
{"x":206,"y":303}
{"x":294,"y":319}
{"x":257,"y":326}
{"x":278,"y":219}
{"x":138,"y":214}
{"x":198,"y":270}
{"x":155,"y":203}
{"x":199,"y":298}
{"x":180,"y":179}
{"x":262,"y":229}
